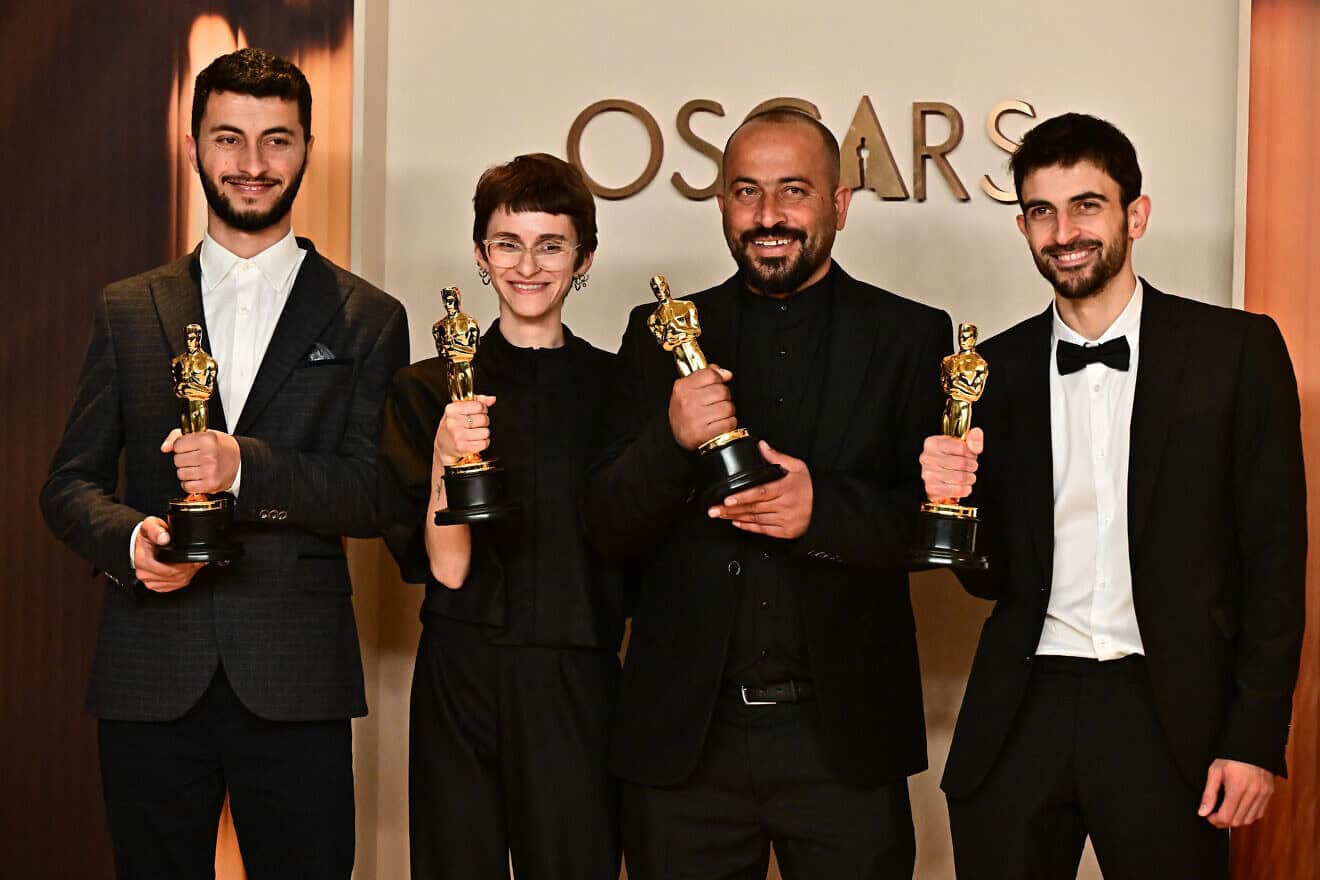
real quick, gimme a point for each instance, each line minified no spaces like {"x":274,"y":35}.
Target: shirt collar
{"x":275,"y":263}
{"x":1128,"y":323}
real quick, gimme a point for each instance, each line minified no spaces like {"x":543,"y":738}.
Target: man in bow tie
{"x":1138,"y":466}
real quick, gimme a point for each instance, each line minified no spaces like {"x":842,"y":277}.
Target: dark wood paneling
{"x":1283,"y":280}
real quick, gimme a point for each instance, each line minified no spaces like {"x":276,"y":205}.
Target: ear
{"x":586,"y":264}
{"x":190,"y":146}
{"x":1022,"y":226}
{"x":1138,"y":216}
{"x":311,"y":141}
{"x":480,"y":257}
{"x":842,"y":199}
{"x":719,"y":200}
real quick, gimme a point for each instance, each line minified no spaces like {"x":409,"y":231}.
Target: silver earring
{"x":580,"y":281}
{"x":484,"y":274}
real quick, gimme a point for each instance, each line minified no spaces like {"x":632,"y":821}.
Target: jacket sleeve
{"x":860,"y":521}
{"x":643,"y":477}
{"x":412,"y":414}
{"x":1269,"y":485}
{"x":78,"y":500}
{"x":331,"y":492}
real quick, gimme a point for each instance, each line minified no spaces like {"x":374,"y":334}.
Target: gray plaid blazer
{"x":280,"y":619}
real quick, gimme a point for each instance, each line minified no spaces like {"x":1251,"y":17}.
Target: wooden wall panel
{"x":1283,"y":280}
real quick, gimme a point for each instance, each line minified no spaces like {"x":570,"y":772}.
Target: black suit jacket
{"x":1216,"y":534}
{"x":281,"y":617}
{"x":881,"y":397}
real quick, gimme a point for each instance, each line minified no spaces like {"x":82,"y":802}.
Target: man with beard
{"x":241,"y":677}
{"x":770,"y":691}
{"x":1138,"y":466}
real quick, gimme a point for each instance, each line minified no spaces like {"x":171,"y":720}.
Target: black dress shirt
{"x":533,"y":580}
{"x":779,"y":378}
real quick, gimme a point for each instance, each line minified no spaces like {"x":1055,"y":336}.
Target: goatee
{"x":250,"y":221}
{"x":776,"y":276}
{"x":1109,"y":262}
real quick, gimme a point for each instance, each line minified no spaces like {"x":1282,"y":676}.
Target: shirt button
{"x":765,"y":603}
{"x":734,"y":568}
{"x":765,"y":554}
{"x":783,"y":352}
{"x":783,"y":307}
{"x":779,"y":399}
{"x":764,"y":653}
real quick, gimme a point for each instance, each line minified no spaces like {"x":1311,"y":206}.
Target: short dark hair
{"x":1076,"y":137}
{"x":536,"y":182}
{"x":254,"y":72}
{"x":789,"y":116}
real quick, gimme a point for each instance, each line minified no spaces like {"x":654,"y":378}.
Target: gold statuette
{"x":474,"y":486}
{"x":730,"y":461}
{"x":947,"y":531}
{"x":198,"y":523}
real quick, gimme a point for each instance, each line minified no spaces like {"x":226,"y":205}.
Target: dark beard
{"x":778,"y":275}
{"x":1073,"y":286}
{"x":250,"y":221}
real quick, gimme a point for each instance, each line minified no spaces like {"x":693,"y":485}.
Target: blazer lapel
{"x":315,"y":299}
{"x":1034,"y":448}
{"x":177,"y":295}
{"x":851,"y":345}
{"x":1161,"y":360}
{"x":721,"y":319}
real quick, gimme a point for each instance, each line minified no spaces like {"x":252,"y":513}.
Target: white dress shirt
{"x":242,"y":301}
{"x":1090,"y":612}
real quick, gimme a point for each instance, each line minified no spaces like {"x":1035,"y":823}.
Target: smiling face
{"x":781,"y":205}
{"x":531,"y":296}
{"x":1079,"y":233}
{"x":250,"y":154}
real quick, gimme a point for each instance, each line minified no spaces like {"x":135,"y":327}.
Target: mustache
{"x":1055,"y":249}
{"x":777,"y":232}
{"x":238,"y":178}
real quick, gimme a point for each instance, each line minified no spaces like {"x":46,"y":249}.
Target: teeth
{"x":772,"y":242}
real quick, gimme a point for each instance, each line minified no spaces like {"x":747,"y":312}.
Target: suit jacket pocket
{"x":321,"y":566}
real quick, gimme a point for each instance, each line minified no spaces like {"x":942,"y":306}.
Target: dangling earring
{"x":580,"y":281}
{"x":484,"y":274}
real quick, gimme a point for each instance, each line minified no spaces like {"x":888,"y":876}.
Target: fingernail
{"x":713,"y":512}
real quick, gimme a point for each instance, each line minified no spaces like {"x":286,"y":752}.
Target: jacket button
{"x":734,"y":568}
{"x":1027,"y":659}
{"x":284,"y":514}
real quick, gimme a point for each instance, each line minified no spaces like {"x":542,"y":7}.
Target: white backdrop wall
{"x":447,"y":89}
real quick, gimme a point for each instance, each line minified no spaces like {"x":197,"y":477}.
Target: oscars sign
{"x":867,"y":160}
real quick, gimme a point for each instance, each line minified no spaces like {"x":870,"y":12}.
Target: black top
{"x":532,"y":579}
{"x":779,"y":377}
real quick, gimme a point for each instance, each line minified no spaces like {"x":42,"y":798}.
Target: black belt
{"x":780,"y":692}
{"x":1056,"y":664}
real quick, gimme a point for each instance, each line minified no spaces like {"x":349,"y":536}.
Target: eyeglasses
{"x":550,"y":254}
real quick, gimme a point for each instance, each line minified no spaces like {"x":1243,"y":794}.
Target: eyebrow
{"x":782,"y":180}
{"x":1089,"y":195}
{"x":224,"y":126}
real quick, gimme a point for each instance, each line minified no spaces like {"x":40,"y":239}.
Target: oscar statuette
{"x":731,"y":461}
{"x":946,"y":532}
{"x":474,"y":487}
{"x":199,"y":523}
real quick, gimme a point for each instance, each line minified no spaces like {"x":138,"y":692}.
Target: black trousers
{"x":290,"y":792}
{"x":507,"y":754}
{"x":1087,"y":757}
{"x":763,"y":779}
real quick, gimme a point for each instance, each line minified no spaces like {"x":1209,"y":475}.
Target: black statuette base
{"x":730,"y":468}
{"x":199,"y":532}
{"x":944,"y":540}
{"x":475,"y":495}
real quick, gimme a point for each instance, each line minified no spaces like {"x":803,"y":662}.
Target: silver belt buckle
{"x":747,"y":702}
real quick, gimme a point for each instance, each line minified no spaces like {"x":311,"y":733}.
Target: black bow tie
{"x":1114,"y":354}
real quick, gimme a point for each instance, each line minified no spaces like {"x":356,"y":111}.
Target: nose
{"x":252,"y":161}
{"x":527,"y":263}
{"x":769,"y":213}
{"x":1064,"y":230}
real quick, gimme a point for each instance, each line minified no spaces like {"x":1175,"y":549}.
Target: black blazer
{"x":281,"y":617}
{"x":1216,"y":534}
{"x":881,"y":398}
